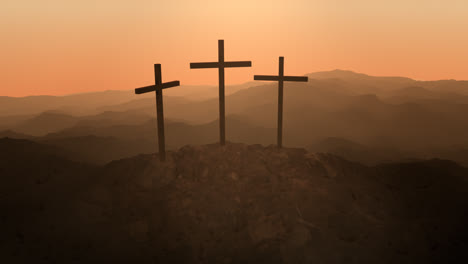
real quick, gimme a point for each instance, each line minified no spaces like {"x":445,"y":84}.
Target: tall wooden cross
{"x":221,"y":64}
{"x":158,"y":87}
{"x":281,"y":79}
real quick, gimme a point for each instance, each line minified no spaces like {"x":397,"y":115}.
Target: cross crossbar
{"x":227,"y":64}
{"x":152,"y":88}
{"x":279,"y":78}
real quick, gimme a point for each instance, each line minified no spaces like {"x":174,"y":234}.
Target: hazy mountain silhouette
{"x":111,"y":135}
{"x":353,"y":76}
{"x":45,"y":123}
{"x":72,"y":104}
{"x":422,"y":95}
{"x":399,"y":115}
{"x":12,"y":121}
{"x":370,"y":155}
{"x":100,"y":150}
{"x":108,"y":118}
{"x":239,"y":203}
{"x":14,"y":135}
{"x":92,"y":103}
{"x":52,"y":121}
{"x":204,"y":92}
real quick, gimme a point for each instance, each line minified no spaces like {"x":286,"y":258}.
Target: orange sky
{"x":60,"y":47}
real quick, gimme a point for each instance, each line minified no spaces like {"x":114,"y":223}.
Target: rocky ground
{"x":233,"y":204}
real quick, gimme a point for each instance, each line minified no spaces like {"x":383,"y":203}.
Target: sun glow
{"x":60,"y":47}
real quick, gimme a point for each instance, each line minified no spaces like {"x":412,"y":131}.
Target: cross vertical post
{"x":159,"y":111}
{"x":221,"y":64}
{"x":222,"y":120}
{"x":280,"y":102}
{"x":280,"y":79}
{"x":158,"y":88}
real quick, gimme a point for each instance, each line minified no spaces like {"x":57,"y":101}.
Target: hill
{"x":234,"y":204}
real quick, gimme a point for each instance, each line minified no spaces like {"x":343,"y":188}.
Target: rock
{"x":265,"y":228}
{"x":234,"y":176}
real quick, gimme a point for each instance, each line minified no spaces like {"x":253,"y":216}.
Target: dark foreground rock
{"x":233,"y":204}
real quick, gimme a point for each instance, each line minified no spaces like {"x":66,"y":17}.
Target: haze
{"x":62,"y":47}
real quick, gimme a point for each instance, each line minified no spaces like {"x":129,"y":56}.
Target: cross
{"x":221,"y":64}
{"x":158,"y":87}
{"x":281,"y":79}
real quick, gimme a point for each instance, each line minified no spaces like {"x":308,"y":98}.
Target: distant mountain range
{"x":392,"y":117}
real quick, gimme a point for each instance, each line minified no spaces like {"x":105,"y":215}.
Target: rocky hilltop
{"x":233,"y":204}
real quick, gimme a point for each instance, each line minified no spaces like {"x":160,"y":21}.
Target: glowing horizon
{"x":53,"y":47}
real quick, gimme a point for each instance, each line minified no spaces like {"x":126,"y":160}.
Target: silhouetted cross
{"x":158,"y":87}
{"x":221,"y":64}
{"x":281,"y":79}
